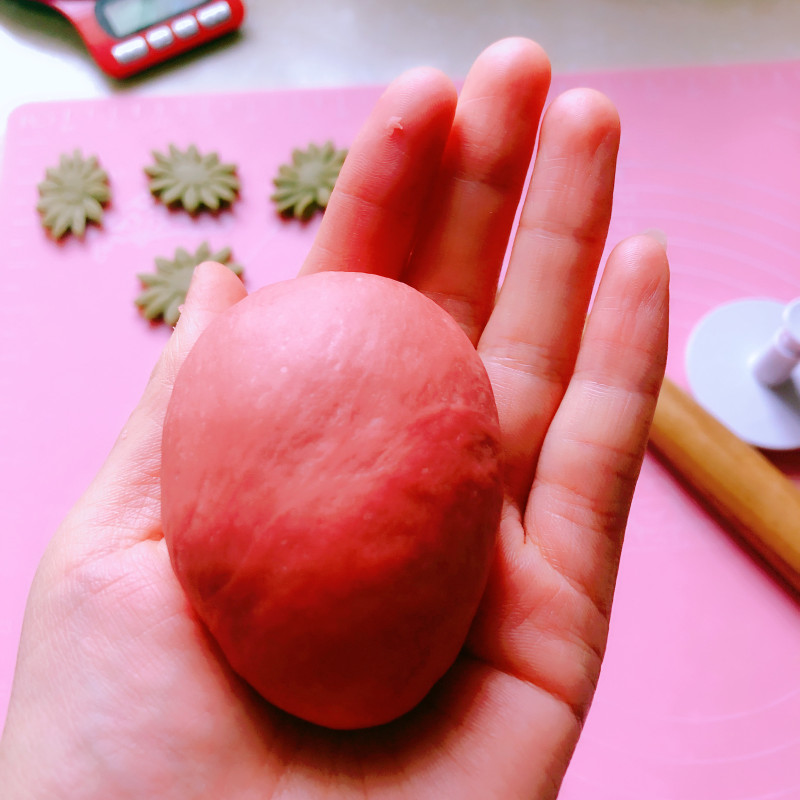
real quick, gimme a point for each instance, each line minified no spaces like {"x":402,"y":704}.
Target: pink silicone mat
{"x":700,"y":691}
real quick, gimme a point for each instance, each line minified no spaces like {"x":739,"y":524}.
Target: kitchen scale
{"x":128,"y":36}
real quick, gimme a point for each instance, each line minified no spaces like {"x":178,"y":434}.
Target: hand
{"x":120,"y":692}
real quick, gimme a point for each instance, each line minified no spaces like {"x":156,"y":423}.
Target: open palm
{"x":120,"y":692}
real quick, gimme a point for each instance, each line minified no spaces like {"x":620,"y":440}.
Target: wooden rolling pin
{"x":757,"y":500}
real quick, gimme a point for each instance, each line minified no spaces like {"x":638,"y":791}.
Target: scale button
{"x":159,"y":37}
{"x":130,"y":50}
{"x":215,"y":14}
{"x":185,"y":26}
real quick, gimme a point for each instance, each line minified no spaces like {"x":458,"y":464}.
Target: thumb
{"x":214,"y":289}
{"x":123,"y":504}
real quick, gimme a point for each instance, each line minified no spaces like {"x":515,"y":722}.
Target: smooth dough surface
{"x":331,"y":492}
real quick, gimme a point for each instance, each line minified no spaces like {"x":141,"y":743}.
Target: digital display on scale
{"x":124,"y":17}
{"x":126,"y":37}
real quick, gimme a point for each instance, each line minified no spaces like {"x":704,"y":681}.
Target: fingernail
{"x":193,"y":282}
{"x":658,"y":235}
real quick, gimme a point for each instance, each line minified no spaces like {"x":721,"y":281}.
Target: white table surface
{"x":324,"y":43}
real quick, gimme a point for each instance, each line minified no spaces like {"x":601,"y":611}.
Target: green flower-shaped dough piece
{"x":73,"y":193}
{"x":191,"y":179}
{"x":305,"y":185}
{"x":165,"y":289}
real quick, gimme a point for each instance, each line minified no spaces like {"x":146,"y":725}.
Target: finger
{"x":465,"y":228}
{"x":531,"y":341}
{"x":593,"y":451}
{"x":544,"y":617}
{"x":214,"y":289}
{"x":122,"y":505}
{"x":376,"y":203}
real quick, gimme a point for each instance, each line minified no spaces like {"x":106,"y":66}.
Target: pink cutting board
{"x":700,"y":691}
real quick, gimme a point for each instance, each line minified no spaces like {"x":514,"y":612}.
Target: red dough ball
{"x":331,"y":493}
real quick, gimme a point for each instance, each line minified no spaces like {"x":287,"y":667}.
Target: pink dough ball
{"x":331,"y":493}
